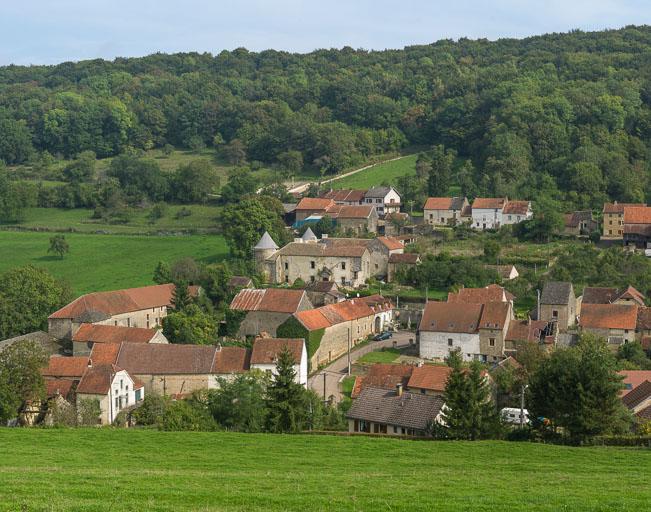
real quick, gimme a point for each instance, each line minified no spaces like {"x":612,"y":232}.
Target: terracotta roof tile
{"x":266,"y":350}
{"x":391,"y":243}
{"x":633,"y":378}
{"x":351,"y":212}
{"x":384,"y":376}
{"x":608,"y":316}
{"x":231,"y":360}
{"x":61,"y":387}
{"x":517,"y":207}
{"x":105,"y":353}
{"x":406,"y":258}
{"x":526,"y":330}
{"x":494,"y":315}
{"x":491,"y":293}
{"x":599,"y":295}
{"x":66,"y":366}
{"x":637,"y":395}
{"x":97,"y":333}
{"x":619,"y":207}
{"x":314,"y":204}
{"x":489,"y":203}
{"x":158,"y":359}
{"x":438,"y":203}
{"x":312,"y":319}
{"x":97,"y":380}
{"x":120,"y":301}
{"x":430,"y":377}
{"x":276,"y":300}
{"x":637,"y":215}
{"x":451,"y":317}
{"x":343,"y":311}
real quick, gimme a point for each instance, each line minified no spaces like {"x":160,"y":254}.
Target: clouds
{"x":44,"y":31}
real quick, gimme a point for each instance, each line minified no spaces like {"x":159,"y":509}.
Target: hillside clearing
{"x":106,"y":262}
{"x":105,"y":469}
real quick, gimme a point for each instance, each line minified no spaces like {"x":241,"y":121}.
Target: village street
{"x":337,"y":369}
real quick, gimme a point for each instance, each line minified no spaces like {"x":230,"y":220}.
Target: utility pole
{"x":522,"y":405}
{"x":349,"y":334}
{"x":324,"y":387}
{"x":538,"y":305}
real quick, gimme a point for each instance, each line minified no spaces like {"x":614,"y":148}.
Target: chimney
{"x":399,"y":389}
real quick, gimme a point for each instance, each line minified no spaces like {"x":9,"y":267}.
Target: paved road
{"x":339,"y":368}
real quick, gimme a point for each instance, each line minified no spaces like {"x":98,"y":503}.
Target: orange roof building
{"x":615,"y":322}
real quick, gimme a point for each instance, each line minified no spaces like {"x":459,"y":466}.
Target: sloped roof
{"x":431,"y":377}
{"x":599,"y":295}
{"x":344,"y":195}
{"x":644,"y":318}
{"x":556,"y":292}
{"x":49,"y":343}
{"x":351,"y":211}
{"x":266,"y":242}
{"x":105,"y":353}
{"x":633,"y":378}
{"x":231,"y":360}
{"x":517,"y":207}
{"x":526,"y":330}
{"x":451,"y":317}
{"x":490,"y":293}
{"x":323,"y":248}
{"x":637,"y":215}
{"x":632,"y":294}
{"x":273,"y":300}
{"x":266,"y":350}
{"x":494,"y":315}
{"x":313,"y":319}
{"x":637,"y":395}
{"x":97,"y":333}
{"x":378,"y":192}
{"x":120,"y":301}
{"x":439,"y":203}
{"x":332,"y":314}
{"x":308,"y":235}
{"x":406,"y":258}
{"x":97,"y":380}
{"x":411,"y":410}
{"x":314,"y":203}
{"x":608,"y":316}
{"x":62,"y":387}
{"x":391,"y":243}
{"x":619,"y":207}
{"x":489,"y":203}
{"x":239,"y":282}
{"x":68,"y":367}
{"x":321,"y":286}
{"x":384,"y":376}
{"x":572,"y":220}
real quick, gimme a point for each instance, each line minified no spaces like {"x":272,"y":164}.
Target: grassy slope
{"x":388,"y":171}
{"x":106,"y":262}
{"x":102,"y":470}
{"x":382,"y":356}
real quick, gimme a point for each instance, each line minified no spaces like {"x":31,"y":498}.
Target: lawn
{"x":106,"y":262}
{"x":201,"y":219}
{"x":131,"y":470}
{"x":373,"y":176}
{"x":386,"y":355}
{"x":347,"y":385}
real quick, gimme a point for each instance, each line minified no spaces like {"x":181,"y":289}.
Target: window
{"x":312,"y":264}
{"x":138,"y":394}
{"x":554,"y":313}
{"x":128,"y":322}
{"x":287,"y":279}
{"x":312,"y":279}
{"x":286,"y":266}
{"x":115,"y":322}
{"x":378,"y":200}
{"x":431,"y":216}
{"x":377,"y":266}
{"x":121,"y":384}
{"x":491,"y":342}
{"x":343,"y":280}
{"x":422,"y":391}
{"x":147,"y":316}
{"x":450,"y":342}
{"x":509,"y":217}
{"x":395,"y":429}
{"x":117,"y":402}
{"x":343,"y":265}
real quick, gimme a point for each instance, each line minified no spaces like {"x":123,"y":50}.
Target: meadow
{"x":373,"y":176}
{"x":135,"y":470}
{"x":106,"y":262}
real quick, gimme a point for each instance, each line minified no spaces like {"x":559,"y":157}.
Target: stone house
{"x":605,"y":295}
{"x":239,"y":282}
{"x":580,"y":223}
{"x":309,"y":206}
{"x":264,"y":356}
{"x":444,"y":211}
{"x":401,"y":261}
{"x":617,"y":323}
{"x":393,"y":412}
{"x":395,"y":224}
{"x":559,"y":304}
{"x":429,"y":379}
{"x":178,"y":370}
{"x":515,"y":212}
{"x":613,"y":219}
{"x":384,"y":199}
{"x":267,"y":308}
{"x":477,"y":330}
{"x":487,"y":212}
{"x":384,"y":376}
{"x":637,"y":226}
{"x":89,"y":334}
{"x":143,"y":307}
{"x":329,"y":331}
{"x":321,"y":293}
{"x":490,"y":293}
{"x":536,"y":331}
{"x":357,"y":220}
{"x":506,"y":272}
{"x":347,"y":261}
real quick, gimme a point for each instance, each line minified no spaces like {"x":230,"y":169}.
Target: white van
{"x":512,"y":415}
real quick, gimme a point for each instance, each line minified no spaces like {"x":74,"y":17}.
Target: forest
{"x":565,"y":116}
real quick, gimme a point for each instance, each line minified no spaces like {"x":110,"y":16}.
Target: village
{"x":313,"y":304}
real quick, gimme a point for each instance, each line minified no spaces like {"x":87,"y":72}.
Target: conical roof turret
{"x":266,"y":242}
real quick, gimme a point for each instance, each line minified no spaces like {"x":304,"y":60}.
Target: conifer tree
{"x":181,"y":296}
{"x":285,"y":397}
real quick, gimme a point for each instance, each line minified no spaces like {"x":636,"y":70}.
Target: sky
{"x":53,"y":31}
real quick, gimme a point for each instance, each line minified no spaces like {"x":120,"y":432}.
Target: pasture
{"x":135,"y":470}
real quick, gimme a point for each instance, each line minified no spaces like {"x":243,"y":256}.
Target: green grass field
{"x":202,"y":218}
{"x":388,"y":171}
{"x":387,"y":355}
{"x":106,"y":262}
{"x":130,"y":470}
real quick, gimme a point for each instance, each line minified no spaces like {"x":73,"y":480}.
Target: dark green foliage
{"x":81,"y":169}
{"x":162,"y":273}
{"x":20,"y":376}
{"x":292,"y":328}
{"x":181,"y":296}
{"x":190,"y":325}
{"x":444,"y":271}
{"x":439,"y":163}
{"x":59,"y":245}
{"x":240,"y":404}
{"x":241,"y":183}
{"x":28,"y":295}
{"x":139,"y":177}
{"x":577,"y":389}
{"x":492,"y":250}
{"x":152,"y":410}
{"x":469,"y":410}
{"x":631,"y":356}
{"x":194,"y":182}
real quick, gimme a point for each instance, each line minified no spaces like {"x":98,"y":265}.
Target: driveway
{"x":338,"y":369}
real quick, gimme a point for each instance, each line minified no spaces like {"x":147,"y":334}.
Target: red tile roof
{"x":619,"y":207}
{"x":451,"y":317}
{"x":438,"y":203}
{"x":632,"y":294}
{"x":120,"y":301}
{"x":345,"y":195}
{"x":391,"y":243}
{"x":105,"y":353}
{"x":407,"y":258}
{"x":637,"y":395}
{"x":525,"y":330}
{"x":494,"y":315}
{"x":430,"y":377}
{"x":608,"y":316}
{"x":97,"y":333}
{"x":633,"y":378}
{"x":313,"y":319}
{"x":491,"y":293}
{"x":58,"y":386}
{"x":314,"y":204}
{"x":384,"y":376}
{"x":346,"y":310}
{"x":350,"y":212}
{"x":231,"y":360}
{"x":489,"y":203}
{"x":97,"y":380}
{"x":66,"y":367}
{"x":275,"y":300}
{"x":637,"y":215}
{"x":266,"y":350}
{"x":517,"y":207}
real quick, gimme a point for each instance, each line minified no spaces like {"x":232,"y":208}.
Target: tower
{"x":265,"y":248}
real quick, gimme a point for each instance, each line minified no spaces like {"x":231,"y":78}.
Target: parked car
{"x":383,"y":336}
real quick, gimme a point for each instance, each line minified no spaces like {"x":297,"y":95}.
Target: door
{"x":378,"y":324}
